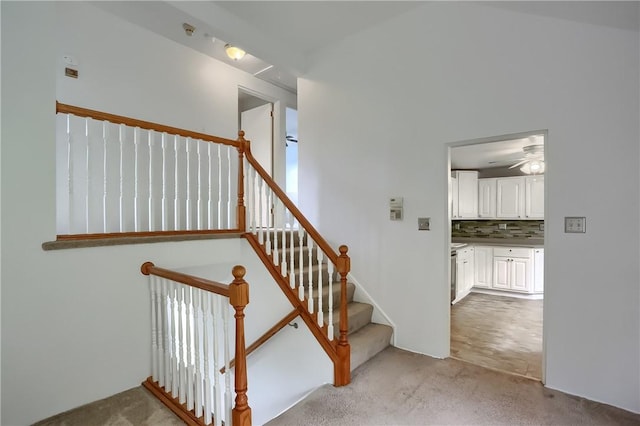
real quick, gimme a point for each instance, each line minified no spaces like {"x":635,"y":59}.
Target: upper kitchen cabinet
{"x":465,"y":194}
{"x":534,"y":197}
{"x":487,"y":198}
{"x":510,"y":193}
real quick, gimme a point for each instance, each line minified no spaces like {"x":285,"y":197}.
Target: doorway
{"x":496,"y":240}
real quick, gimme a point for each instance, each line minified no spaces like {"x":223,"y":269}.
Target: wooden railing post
{"x":342,"y":372}
{"x":241,"y":214}
{"x":239,"y":299}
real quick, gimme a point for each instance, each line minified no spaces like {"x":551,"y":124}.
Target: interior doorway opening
{"x":496,"y":240}
{"x":291,"y":153}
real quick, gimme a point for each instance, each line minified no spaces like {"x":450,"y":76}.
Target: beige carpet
{"x":402,"y":388}
{"x":135,"y":407}
{"x":396,"y":387}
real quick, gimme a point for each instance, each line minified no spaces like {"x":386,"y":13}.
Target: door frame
{"x":447,"y":239}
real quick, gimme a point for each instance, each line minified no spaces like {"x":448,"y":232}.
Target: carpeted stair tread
{"x":367,"y":342}
{"x":351,"y":288}
{"x":359,"y":315}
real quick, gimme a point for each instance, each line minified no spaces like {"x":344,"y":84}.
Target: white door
{"x":487,"y":198}
{"x":257,"y":124}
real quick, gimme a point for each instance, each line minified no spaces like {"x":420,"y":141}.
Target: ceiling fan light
{"x":533,"y":167}
{"x":234,"y":52}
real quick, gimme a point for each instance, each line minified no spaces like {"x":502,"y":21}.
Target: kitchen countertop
{"x":511,"y":242}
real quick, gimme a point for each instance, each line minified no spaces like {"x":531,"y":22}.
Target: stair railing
{"x":190,"y":346}
{"x":119,"y":177}
{"x":122,"y":177}
{"x":286,"y":241}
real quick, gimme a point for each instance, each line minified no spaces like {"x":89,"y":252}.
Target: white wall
{"x":75,"y":323}
{"x":376,"y":114}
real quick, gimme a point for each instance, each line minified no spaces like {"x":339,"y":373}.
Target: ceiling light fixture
{"x":533,"y":167}
{"x":234,"y":52}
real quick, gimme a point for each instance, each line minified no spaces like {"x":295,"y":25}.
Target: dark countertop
{"x":511,"y":242}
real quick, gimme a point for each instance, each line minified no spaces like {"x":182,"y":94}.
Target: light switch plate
{"x":575,"y":224}
{"x":424,"y":223}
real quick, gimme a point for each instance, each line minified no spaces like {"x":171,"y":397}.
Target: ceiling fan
{"x":533,"y":160}
{"x":290,"y":138}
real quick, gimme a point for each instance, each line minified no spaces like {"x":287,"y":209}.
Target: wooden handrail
{"x":302,"y":220}
{"x":148,"y":268}
{"x":118,"y":119}
{"x":266,"y":336}
{"x":73,"y":237}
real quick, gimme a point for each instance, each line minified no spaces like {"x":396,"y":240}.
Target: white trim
{"x":379,"y":315}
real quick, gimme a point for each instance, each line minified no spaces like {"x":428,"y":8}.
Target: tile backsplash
{"x":492,"y":229}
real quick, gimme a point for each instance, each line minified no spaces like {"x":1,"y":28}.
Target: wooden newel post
{"x":241,"y":214}
{"x":342,"y":371}
{"x":239,"y":298}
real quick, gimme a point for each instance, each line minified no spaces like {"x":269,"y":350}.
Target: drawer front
{"x":512,"y":252}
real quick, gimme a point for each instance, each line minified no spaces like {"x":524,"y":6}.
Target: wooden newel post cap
{"x":239,"y":289}
{"x":344,"y":263}
{"x":240,"y":134}
{"x":146,"y":267}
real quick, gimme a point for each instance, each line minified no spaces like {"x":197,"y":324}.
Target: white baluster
{"x":153,"y":284}
{"x":219,"y":188}
{"x":176,"y":180}
{"x":276,"y":259}
{"x":228,"y":395}
{"x":150,"y":224}
{"x":181,"y":346}
{"x":136,"y":160}
{"x":208,"y":335}
{"x":330,"y":321}
{"x":310,"y":272}
{"x":189,"y":212}
{"x":70,"y":174}
{"x":229,"y":197}
{"x":189,"y":359}
{"x":292,"y":251}
{"x":300,"y":264}
{"x":166,"y":336}
{"x":199,"y":327}
{"x":249,"y":194}
{"x":268,"y":220}
{"x":260,"y":208}
{"x":283,"y":267}
{"x":210,"y":188}
{"x":216,"y":363}
{"x":174,"y":339}
{"x":121,"y":130}
{"x":320,"y":255}
{"x":164,"y":182}
{"x":200,"y":222}
{"x":88,"y":172}
{"x":256,"y":201}
{"x":104,"y":175}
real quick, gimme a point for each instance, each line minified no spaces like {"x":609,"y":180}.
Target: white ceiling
{"x":492,"y":154}
{"x":287,"y":34}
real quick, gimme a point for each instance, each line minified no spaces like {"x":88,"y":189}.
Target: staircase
{"x":365,"y":337}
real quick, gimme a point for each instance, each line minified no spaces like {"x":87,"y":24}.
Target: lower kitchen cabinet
{"x":538,"y":270}
{"x":483,"y":266}
{"x":465,"y":270}
{"x":512,"y":269}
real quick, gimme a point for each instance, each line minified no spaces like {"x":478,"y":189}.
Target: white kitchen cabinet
{"x":510,"y":192}
{"x":512,"y":269}
{"x":483,"y":266}
{"x":464,"y":194}
{"x":464,"y":270}
{"x":534,"y":197}
{"x":538,"y":270}
{"x":487,"y":198}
